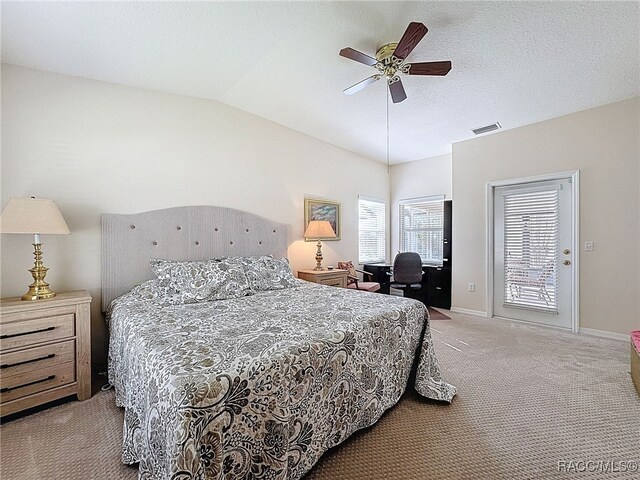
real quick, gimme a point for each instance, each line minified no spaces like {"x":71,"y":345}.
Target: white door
{"x":533,"y":261}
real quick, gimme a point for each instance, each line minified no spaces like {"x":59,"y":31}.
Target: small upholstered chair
{"x":407,"y":273}
{"x":354,"y":282}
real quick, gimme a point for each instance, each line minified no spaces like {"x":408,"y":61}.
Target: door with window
{"x":533,"y":261}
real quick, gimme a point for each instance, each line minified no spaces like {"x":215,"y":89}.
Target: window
{"x":371,"y":230}
{"x":531,"y":244}
{"x":422,"y":227}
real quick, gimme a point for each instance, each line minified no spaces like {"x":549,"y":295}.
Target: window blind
{"x":531,"y":227}
{"x":422,"y":228}
{"x":371,"y":230}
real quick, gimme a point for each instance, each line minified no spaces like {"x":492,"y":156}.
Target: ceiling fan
{"x":390,"y":61}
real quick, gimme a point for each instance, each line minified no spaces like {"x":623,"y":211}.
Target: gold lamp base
{"x":39,"y":289}
{"x":38,"y":292}
{"x":319,"y":257}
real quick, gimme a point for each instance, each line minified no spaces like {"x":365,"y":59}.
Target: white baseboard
{"x":604,"y":334}
{"x":466,"y":311}
{"x":532,"y":324}
{"x":584,"y":331}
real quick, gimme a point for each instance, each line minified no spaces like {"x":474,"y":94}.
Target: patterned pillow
{"x":352,"y":275}
{"x":162,"y":268}
{"x":163,"y":294}
{"x":200,"y":281}
{"x":267,"y":273}
{"x":157,"y":291}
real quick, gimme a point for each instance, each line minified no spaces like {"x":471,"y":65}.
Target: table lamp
{"x":319,"y":229}
{"x":34,"y":216}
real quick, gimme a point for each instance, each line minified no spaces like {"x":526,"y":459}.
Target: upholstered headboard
{"x":180,"y":233}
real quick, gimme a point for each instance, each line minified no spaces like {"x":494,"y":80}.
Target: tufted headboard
{"x":180,"y":233}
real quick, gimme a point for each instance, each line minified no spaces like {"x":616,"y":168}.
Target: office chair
{"x":407,"y":273}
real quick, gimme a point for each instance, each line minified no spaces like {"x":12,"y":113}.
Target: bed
{"x":257,"y":386}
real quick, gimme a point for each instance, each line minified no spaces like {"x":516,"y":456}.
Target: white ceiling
{"x":513,"y":62}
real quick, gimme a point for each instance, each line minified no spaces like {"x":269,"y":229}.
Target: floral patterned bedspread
{"x":260,"y":387}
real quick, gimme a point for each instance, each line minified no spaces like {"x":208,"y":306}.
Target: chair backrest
{"x":352,"y":274}
{"x":407,"y":268}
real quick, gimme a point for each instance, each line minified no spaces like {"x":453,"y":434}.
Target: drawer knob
{"x":46,"y":357}
{"x":8,"y":389}
{"x":27,"y":333}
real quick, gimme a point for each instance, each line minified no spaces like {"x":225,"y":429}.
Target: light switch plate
{"x":472,"y":287}
{"x":588,"y":246}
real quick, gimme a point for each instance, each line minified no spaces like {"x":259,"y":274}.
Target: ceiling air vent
{"x":487,"y":128}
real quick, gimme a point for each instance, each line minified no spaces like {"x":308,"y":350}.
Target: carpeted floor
{"x":528,"y":398}
{"x":437,"y":314}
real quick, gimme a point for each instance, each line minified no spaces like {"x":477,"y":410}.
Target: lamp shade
{"x":32,"y":215}
{"x":319,"y":229}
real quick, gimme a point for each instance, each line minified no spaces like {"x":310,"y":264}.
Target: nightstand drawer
{"x":36,"y":381}
{"x":334,"y":281}
{"x":332,"y":278}
{"x":25,"y":361}
{"x":31,"y":332}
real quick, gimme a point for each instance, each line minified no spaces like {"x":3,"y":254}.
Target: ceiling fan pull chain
{"x":388,"y":161}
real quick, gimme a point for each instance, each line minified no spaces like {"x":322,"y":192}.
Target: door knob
{"x":566,"y":251}
{"x":567,"y":262}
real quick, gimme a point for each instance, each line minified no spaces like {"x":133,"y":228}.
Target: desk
{"x":436,"y":283}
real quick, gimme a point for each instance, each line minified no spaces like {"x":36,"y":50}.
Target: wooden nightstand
{"x":335,"y":278}
{"x":45,"y":350}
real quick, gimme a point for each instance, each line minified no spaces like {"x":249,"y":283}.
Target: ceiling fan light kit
{"x":390,"y":62}
{"x":385,"y":51}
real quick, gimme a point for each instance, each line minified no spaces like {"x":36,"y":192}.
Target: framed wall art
{"x":316,"y":209}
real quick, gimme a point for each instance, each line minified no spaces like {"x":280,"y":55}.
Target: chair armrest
{"x":365,"y":274}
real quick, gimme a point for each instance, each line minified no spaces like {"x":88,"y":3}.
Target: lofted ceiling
{"x":513,"y":62}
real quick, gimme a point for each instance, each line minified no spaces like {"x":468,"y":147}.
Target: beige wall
{"x":422,"y":178}
{"x":96,"y":147}
{"x":604,"y":144}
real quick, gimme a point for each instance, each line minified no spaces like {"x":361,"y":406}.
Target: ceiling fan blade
{"x":357,"y":56}
{"x":360,"y":85}
{"x":397,"y":91}
{"x":429,"y":68}
{"x":412,"y":36}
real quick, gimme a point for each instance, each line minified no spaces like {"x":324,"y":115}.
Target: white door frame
{"x":574,"y":177}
